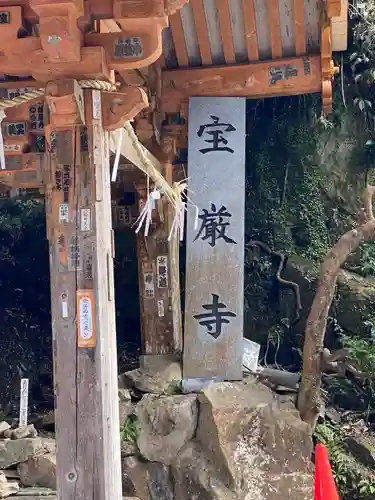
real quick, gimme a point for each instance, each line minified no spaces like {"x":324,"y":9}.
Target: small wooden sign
{"x":36,"y":113}
{"x":86,"y":318}
{"x":4,"y":17}
{"x":16,"y":129}
{"x":128,"y":46}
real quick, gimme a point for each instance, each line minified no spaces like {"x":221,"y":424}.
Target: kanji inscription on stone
{"x":215,"y":239}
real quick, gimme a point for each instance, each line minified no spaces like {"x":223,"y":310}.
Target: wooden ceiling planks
{"x":275,"y":29}
{"x":178,"y":36}
{"x":202,"y":31}
{"x":250,"y":30}
{"x":216,"y":32}
{"x":299,"y":27}
{"x":226,"y":31}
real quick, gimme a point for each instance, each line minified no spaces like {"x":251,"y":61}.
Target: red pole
{"x":324,"y":483}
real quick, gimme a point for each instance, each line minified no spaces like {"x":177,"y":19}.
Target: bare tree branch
{"x":309,"y":400}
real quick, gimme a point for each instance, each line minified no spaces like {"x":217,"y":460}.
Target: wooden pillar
{"x":159,"y":281}
{"x":83,"y":309}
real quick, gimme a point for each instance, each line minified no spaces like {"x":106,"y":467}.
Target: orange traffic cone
{"x":324,"y":484}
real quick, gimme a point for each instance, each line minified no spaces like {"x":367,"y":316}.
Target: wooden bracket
{"x":66,"y":104}
{"x":146,"y":8}
{"x":59,"y":33}
{"x":118,"y":108}
{"x":138,"y":45}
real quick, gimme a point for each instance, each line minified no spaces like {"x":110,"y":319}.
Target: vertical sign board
{"x":213,"y":345}
{"x":24,"y":401}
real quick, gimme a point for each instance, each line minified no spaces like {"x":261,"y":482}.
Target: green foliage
{"x":367,"y":260}
{"x":284,"y":203}
{"x":367,"y":487}
{"x":331,"y":437}
{"x":174,"y":387}
{"x":362,"y":351}
{"x":129,"y":429}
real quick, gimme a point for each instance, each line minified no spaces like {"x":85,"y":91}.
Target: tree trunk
{"x":309,"y":393}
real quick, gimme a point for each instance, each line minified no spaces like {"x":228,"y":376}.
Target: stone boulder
{"x":7,"y":488}
{"x":362,"y":448}
{"x":259,"y":447}
{"x":39,"y":471}
{"x":13,"y":452}
{"x":165,"y":425}
{"x":147,"y":481}
{"x":157,"y":375}
{"x":4,"y":426}
{"x":24,"y":431}
{"x":196,"y":478}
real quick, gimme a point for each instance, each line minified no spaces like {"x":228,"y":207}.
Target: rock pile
{"x":27,"y":463}
{"x":231,"y":441}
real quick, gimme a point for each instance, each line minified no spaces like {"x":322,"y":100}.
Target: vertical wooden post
{"x":159,"y":280}
{"x":83,"y":311}
{"x":154,"y":283}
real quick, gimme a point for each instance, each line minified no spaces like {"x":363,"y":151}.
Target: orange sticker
{"x":86,"y":318}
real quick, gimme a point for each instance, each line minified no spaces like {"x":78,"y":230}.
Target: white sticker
{"x":162,"y":271}
{"x":149,"y":285}
{"x":160,"y":308}
{"x":24,"y":401}
{"x":85,"y":318}
{"x":63,"y":212}
{"x":96,"y":105}
{"x":85,"y":219}
{"x":64,"y":305}
{"x":12,"y":147}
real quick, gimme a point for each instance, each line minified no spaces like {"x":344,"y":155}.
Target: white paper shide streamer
{"x":178,"y":225}
{"x":180,"y":208}
{"x":145,"y":216}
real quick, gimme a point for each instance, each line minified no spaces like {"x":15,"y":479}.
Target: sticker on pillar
{"x":12,"y":148}
{"x":149,"y":285}
{"x":96,"y":104}
{"x":63,"y":213}
{"x":66,"y":182}
{"x":61,"y":248}
{"x":74,"y":254}
{"x":162,"y":271}
{"x":87,"y":265}
{"x":85,"y":220}
{"x":161,"y":308}
{"x":12,"y":93}
{"x":64,"y":305}
{"x":86,"y":318}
